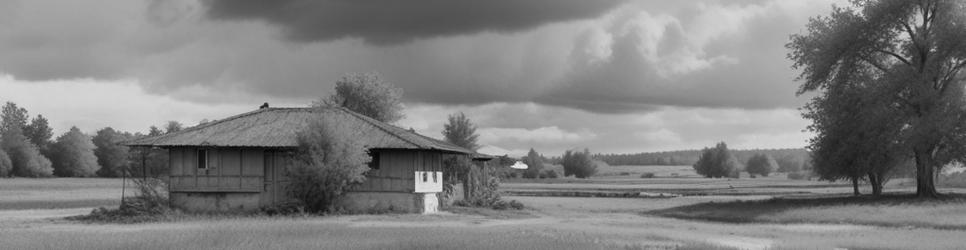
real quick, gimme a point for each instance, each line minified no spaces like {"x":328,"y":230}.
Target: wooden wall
{"x":229,"y":170}
{"x":396,"y":168}
{"x":262,"y":170}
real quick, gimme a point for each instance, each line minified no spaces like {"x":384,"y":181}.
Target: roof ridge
{"x":372,"y":122}
{"x":212,"y":123}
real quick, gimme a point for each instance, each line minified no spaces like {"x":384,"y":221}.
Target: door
{"x":269,"y":195}
{"x":275,"y":179}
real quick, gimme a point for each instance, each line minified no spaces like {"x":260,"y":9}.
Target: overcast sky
{"x":612,"y":76}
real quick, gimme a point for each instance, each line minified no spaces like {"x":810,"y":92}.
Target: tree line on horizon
{"x":787,"y":160}
{"x":28,"y":149}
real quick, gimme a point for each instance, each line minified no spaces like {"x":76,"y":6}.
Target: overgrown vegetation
{"x":151,"y":204}
{"x":327,"y":164}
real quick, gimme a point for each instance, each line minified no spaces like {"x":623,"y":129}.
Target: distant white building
{"x":519,"y":165}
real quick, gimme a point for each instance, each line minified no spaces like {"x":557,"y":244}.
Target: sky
{"x":609,"y":75}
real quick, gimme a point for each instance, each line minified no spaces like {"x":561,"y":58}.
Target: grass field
{"x":32,"y":212}
{"x":889,"y":211}
{"x":27,"y":193}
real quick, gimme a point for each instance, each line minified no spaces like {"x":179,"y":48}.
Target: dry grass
{"x":54,"y":193}
{"x":300,"y":233}
{"x":890,"y":211}
{"x":547,"y":223}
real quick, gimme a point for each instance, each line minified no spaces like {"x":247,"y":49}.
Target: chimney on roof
{"x":264,"y":106}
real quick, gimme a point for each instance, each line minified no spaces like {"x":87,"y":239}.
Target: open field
{"x":29,"y":193}
{"x":889,"y":211}
{"x":547,"y":223}
{"x":689,"y":184}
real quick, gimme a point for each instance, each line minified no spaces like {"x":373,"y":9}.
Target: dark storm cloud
{"x":608,"y":58}
{"x":392,"y":21}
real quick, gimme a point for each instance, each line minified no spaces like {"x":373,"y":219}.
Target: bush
{"x":548,"y":174}
{"x":25,"y":157}
{"x":516,"y":204}
{"x":717,"y":162}
{"x":285,"y":208}
{"x":578,"y":164}
{"x":625,"y":173}
{"x":327,"y":164}
{"x":647,"y":175}
{"x":151,"y":204}
{"x":497,"y":205}
{"x":796,"y":175}
{"x":760,"y":164}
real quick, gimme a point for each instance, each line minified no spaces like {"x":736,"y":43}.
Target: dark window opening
{"x":202,"y":159}
{"x":374,"y":161}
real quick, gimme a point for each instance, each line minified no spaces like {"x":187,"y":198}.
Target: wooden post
{"x":123,"y":184}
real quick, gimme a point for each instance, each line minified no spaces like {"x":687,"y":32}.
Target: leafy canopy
{"x":461,"y":131}
{"x":367,"y":94}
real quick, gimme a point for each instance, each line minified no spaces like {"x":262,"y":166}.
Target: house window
{"x":202,"y":159}
{"x":374,"y":161}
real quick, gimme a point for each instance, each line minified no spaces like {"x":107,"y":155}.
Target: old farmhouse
{"x":238,"y":163}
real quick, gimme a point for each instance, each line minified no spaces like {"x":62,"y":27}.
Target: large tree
{"x":111,"y":156}
{"x":914,"y":52}
{"x":578,"y":164}
{"x":534,"y":164}
{"x":24,"y":156}
{"x":74,"y":155}
{"x":760,"y":164}
{"x":12,"y":117}
{"x":172,"y":126}
{"x":717,"y":162}
{"x":855,"y":135}
{"x":461,"y":131}
{"x":39,"y":132}
{"x":367,"y":94}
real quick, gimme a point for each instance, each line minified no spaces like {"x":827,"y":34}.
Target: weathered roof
{"x":484,"y":157}
{"x":276,"y":127}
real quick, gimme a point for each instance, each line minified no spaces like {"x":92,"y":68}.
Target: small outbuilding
{"x":239,"y":163}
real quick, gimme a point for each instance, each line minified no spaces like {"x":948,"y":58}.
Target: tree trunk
{"x":876,"y":181}
{"x":925,"y":185}
{"x":855,"y":186}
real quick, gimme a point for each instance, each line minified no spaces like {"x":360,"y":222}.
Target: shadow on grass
{"x":839,"y":209}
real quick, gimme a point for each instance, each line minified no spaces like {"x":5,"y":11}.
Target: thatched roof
{"x":276,"y":127}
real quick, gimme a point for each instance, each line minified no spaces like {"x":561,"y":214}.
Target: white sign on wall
{"x":429,"y":182}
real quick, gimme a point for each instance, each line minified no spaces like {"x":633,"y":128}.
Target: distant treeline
{"x":788,"y":159}
{"x":28,"y":148}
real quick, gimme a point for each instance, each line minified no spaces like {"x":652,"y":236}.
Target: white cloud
{"x":549,"y":134}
